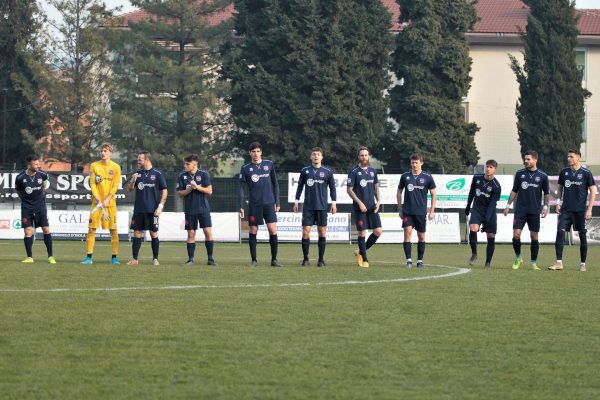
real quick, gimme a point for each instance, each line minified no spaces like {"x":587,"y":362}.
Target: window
{"x":580,"y":60}
{"x":584,"y":125}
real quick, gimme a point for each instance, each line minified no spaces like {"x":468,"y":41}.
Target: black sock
{"x":473,"y":242}
{"x":191,"y":248}
{"x":371,"y":240}
{"x":155,"y":247}
{"x":420,"y":250}
{"x":273,"y":242}
{"x":583,"y":247}
{"x":305,"y":247}
{"x":517,"y":246}
{"x":48,"y":243}
{"x":559,"y":244}
{"x":362,"y":248}
{"x":535,"y":249}
{"x":209,"y":244}
{"x":489,"y":251}
{"x":407,"y":249}
{"x":28,"y":245}
{"x":322,"y":242}
{"x":135,"y":247}
{"x":252,"y":245}
{"x":89,"y":255}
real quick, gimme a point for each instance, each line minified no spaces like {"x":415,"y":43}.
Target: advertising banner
{"x":444,"y":228}
{"x":73,"y":225}
{"x":547,"y":232}
{"x":225,"y":227}
{"x":10,"y":224}
{"x":65,"y":187}
{"x":289,"y":228}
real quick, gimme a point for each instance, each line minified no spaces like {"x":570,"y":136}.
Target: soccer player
{"x":530,"y":187}
{"x":105,"y":177}
{"x":413,"y":210}
{"x":485,"y":190}
{"x":263,"y":194}
{"x":30,"y":186}
{"x":363,"y":188}
{"x":574,"y":184}
{"x":150,"y":196}
{"x":195,"y":186}
{"x":317,"y":179}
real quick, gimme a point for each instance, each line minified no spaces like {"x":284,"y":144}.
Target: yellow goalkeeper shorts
{"x":97,"y":219}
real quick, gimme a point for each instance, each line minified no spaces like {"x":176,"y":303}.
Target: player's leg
{"x":94,"y":223}
{"x":48,"y":243}
{"x":420,"y":224}
{"x":191,"y":224}
{"x":322,"y":230}
{"x":136,"y":225}
{"x":206,"y":225}
{"x":564,"y":224}
{"x":362,"y":224}
{"x":308,"y":219}
{"x":375,"y":224}
{"x":534,"y":223}
{"x":114,"y":234}
{"x":155,"y":242}
{"x":579,"y":226}
{"x":271,"y":220}
{"x":490,"y":248}
{"x":27,"y":238}
{"x":254,"y":220}
{"x":407,"y":225}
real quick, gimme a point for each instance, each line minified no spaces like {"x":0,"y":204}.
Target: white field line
{"x":457,"y":271}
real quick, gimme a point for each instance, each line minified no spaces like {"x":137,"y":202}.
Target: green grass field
{"x":235,"y":332}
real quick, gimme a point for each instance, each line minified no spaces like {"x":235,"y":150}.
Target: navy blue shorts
{"x":533,"y":221}
{"x":418,"y":222}
{"x":258,"y":215}
{"x":486,"y":226}
{"x":144,"y":222}
{"x":37,"y":219}
{"x":368,"y":220}
{"x":574,"y":219}
{"x":192,"y":221}
{"x":314,"y":217}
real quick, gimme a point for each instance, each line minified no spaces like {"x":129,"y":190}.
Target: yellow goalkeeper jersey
{"x":104,"y":179}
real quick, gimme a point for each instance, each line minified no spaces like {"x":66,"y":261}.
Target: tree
{"x":432,"y":63}
{"x":74,"y":85}
{"x":169,"y":99}
{"x":550,"y":108}
{"x":310,"y":73}
{"x":20,"y":24}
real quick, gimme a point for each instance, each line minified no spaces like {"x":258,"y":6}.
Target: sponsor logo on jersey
{"x":568,"y":183}
{"x":255,"y":178}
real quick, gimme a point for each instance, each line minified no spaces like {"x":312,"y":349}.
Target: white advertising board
{"x":10,"y":224}
{"x":504,"y":234}
{"x":452,"y":190}
{"x":444,"y":228}
{"x":225,"y":227}
{"x":289,"y":228}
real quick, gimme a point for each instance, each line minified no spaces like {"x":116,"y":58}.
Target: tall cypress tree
{"x":20,"y":23}
{"x":550,"y":109}
{"x":169,"y":99}
{"x":432,"y":63}
{"x":310,"y":73}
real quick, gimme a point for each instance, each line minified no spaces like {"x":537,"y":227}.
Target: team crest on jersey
{"x":579,"y":176}
{"x":198,"y":178}
{"x":266,"y":167}
{"x":489,"y":188}
{"x":372,"y":174}
{"x":39,"y":180}
{"x":306,"y":172}
{"x":523,"y":176}
{"x":322,"y":174}
{"x":421,"y":180}
{"x":537,"y":178}
{"x":152,"y":177}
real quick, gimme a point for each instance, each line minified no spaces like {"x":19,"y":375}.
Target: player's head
{"x":106,"y":150}
{"x":255,"y":151}
{"x":190,"y":163}
{"x":490,"y":167}
{"x":144,"y":159}
{"x":573,"y":157}
{"x":416,"y":161}
{"x":33,"y":162}
{"x":530,"y":158}
{"x":316,"y":155}
{"x":363,"y":156}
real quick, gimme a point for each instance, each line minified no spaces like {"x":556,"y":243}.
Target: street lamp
{"x":5,"y":90}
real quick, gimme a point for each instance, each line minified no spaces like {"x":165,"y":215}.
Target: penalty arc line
{"x":459,"y":271}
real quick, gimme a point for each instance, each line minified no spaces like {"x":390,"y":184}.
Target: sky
{"x":128,"y":7}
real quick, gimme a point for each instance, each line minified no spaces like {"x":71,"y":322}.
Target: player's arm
{"x":299,"y":189}
{"x":131,"y":183}
{"x":377,"y":197}
{"x":275,"y":185}
{"x":183,"y":189}
{"x":114,"y":187}
{"x":511,"y":199}
{"x":559,"y":194}
{"x":471,"y":196}
{"x":399,"y":198}
{"x":433,"y":193}
{"x":163,"y":199}
{"x":332,"y":194}
{"x":546,"y":192}
{"x":241,"y":194}
{"x":94,"y":186}
{"x":592,"y":190}
{"x":492,"y":206}
{"x":354,"y":197}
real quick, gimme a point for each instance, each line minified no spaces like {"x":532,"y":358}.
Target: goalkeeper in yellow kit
{"x":105,"y":177}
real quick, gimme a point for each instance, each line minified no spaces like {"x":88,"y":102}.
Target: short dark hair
{"x":493,"y":163}
{"x":106,"y":146}
{"x":146,"y":154}
{"x":31,"y":157}
{"x":254,"y":145}
{"x":320,"y":150}
{"x":192,"y":157}
{"x":574,"y":151}
{"x":532,"y":153}
{"x":416,"y":156}
{"x":361,"y":148}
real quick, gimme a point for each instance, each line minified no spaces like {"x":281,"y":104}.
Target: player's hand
{"x":134,"y":177}
{"x":431,"y":215}
{"x":505,"y":211}
{"x":400,"y":214}
{"x":157,"y":212}
{"x":558,"y":209}
{"x":376,"y":207}
{"x":588,"y":215}
{"x":333,"y":209}
{"x":362,"y":207}
{"x":106,"y":202}
{"x":194,"y":185}
{"x":295,"y":207}
{"x":277,"y":208}
{"x":468,"y":210}
{"x":544,"y":211}
{"x":241,"y":213}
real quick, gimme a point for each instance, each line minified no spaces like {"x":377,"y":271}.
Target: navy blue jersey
{"x":415,"y":192}
{"x":575,"y":188}
{"x":148,"y":190}
{"x":30,"y":191}
{"x":530,"y":187}
{"x":262,"y":184}
{"x":316,"y":181}
{"x":485,"y":194}
{"x":194,"y":202}
{"x":363,"y":181}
